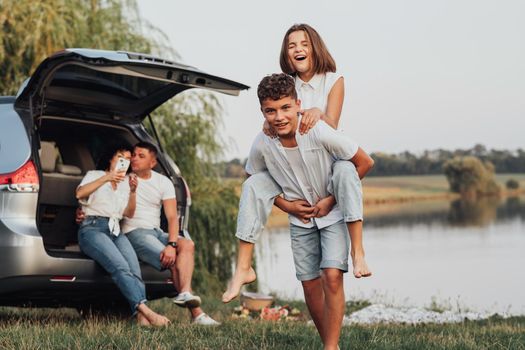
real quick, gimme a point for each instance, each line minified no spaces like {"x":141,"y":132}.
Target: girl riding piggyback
{"x":321,"y":92}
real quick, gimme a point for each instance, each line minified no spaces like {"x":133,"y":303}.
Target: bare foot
{"x":154,"y":318}
{"x":142,"y":320}
{"x":240,"y":278}
{"x":360,"y":267}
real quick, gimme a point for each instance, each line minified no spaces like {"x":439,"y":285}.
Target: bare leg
{"x":185,"y":264}
{"x":244,"y":272}
{"x":175,"y":277}
{"x":257,"y":199}
{"x":356,"y":250}
{"x":334,"y":306}
{"x":196,"y":311}
{"x":349,"y":195}
{"x":153,"y":318}
{"x":315,"y":301}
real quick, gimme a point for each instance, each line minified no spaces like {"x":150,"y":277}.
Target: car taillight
{"x":25,"y":179}
{"x":63,"y":279}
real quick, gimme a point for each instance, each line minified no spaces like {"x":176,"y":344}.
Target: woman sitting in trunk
{"x":106,"y":196}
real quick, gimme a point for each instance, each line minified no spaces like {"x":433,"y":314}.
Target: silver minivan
{"x":75,"y":104}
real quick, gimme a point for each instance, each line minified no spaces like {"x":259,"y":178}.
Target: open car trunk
{"x":80,"y":100}
{"x":68,"y":149}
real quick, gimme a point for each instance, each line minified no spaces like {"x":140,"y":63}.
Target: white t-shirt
{"x":296,"y":163}
{"x":318,"y":150}
{"x":315,"y":92}
{"x":150,"y":194}
{"x":105,"y":201}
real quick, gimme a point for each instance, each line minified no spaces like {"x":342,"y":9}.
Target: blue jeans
{"x":259,"y":191}
{"x":116,"y":255}
{"x":149,"y":243}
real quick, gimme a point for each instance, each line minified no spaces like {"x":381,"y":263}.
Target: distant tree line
{"x":426,"y":163}
{"x":432,"y":162}
{"x":231,"y":169}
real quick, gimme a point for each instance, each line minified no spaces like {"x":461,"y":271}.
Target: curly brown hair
{"x":275,"y":87}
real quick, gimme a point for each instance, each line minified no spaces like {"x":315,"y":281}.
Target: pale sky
{"x":418,"y":74}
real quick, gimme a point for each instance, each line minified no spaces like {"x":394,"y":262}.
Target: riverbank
{"x":64,"y":329}
{"x":429,"y":191}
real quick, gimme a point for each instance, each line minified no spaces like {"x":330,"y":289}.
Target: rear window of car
{"x":124,"y":86}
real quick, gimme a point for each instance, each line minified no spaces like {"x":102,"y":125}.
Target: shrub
{"x":512,"y":184}
{"x":470,"y":176}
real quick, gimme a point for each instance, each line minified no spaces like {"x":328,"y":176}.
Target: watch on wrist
{"x":172,"y":244}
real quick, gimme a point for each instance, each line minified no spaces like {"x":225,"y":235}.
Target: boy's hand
{"x":301,"y":209}
{"x":310,"y":118}
{"x":168,"y":257}
{"x":324,"y":206}
{"x":268,"y":130}
{"x":79,"y":215}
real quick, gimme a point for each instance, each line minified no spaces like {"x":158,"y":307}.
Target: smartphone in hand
{"x":122,"y":164}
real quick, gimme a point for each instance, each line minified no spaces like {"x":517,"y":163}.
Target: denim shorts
{"x":149,"y":243}
{"x":316,"y":249}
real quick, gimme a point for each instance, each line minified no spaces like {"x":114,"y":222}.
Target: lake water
{"x":466,"y":255}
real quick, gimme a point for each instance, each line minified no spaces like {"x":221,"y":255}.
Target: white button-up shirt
{"x":319,"y":149}
{"x":315,"y":92}
{"x":105,"y":201}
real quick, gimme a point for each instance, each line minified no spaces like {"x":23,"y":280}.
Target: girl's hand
{"x":310,"y":118}
{"x":268,"y":130}
{"x":133,"y":183}
{"x":115,"y":176}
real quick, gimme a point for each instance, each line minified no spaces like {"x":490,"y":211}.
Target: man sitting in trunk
{"x":159,"y":249}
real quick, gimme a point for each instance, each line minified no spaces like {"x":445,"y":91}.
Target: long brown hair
{"x":323,"y":62}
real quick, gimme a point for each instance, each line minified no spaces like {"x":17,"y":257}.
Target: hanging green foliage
{"x":33,"y":30}
{"x":187,"y":124}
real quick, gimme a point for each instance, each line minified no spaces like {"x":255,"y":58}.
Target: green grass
{"x":432,"y":183}
{"x":429,"y":183}
{"x":64,"y":329}
{"x":389,"y":189}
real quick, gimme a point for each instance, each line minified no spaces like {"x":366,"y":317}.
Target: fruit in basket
{"x":274,"y":313}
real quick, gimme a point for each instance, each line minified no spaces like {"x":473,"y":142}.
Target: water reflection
{"x":469,"y":253}
{"x":473,"y":212}
{"x":512,"y":208}
{"x":480,"y":212}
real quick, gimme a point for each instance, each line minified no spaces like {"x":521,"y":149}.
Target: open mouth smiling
{"x":300,"y":57}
